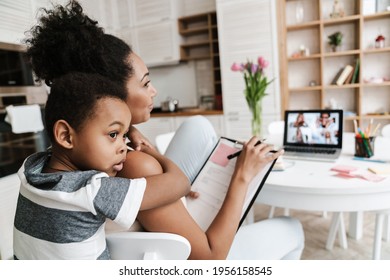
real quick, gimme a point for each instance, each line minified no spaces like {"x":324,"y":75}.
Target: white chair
{"x":275,"y":136}
{"x":123,"y":245}
{"x":147,"y":246}
{"x":386,"y":130}
{"x":163,"y":140}
{"x":9,"y":190}
{"x":382,"y":224}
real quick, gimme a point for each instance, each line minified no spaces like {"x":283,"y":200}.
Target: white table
{"x":311,"y":185}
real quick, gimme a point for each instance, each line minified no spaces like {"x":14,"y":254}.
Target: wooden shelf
{"x":305,"y":88}
{"x":343,"y":20}
{"x":376,"y":16}
{"x":342,"y":53}
{"x":356,"y":85}
{"x":200,"y":41}
{"x":312,"y":24}
{"x":384,"y":84}
{"x":307,"y":57}
{"x":359,"y":31}
{"x":194,"y":31}
{"x":381,"y":50}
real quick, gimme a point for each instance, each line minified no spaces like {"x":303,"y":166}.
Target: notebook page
{"x":212,"y":184}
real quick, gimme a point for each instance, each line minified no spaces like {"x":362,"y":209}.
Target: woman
{"x":66,"y":41}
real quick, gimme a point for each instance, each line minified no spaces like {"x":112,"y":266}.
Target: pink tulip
{"x":236,"y":67}
{"x":254,"y":68}
{"x":262,"y":62}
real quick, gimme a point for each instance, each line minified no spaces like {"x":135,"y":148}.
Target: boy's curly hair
{"x":66,"y":40}
{"x":73,"y":98}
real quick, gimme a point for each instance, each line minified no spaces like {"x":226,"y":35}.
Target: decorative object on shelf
{"x":312,"y":83}
{"x":299,"y":12}
{"x":256,"y":83}
{"x":304,"y":51}
{"x":338,"y":10}
{"x":380,"y":42}
{"x":335,"y":40}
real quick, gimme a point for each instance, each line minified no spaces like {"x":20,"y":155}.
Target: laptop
{"x":313,"y":134}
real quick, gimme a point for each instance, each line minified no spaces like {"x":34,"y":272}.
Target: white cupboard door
{"x":191,"y":7}
{"x":247,"y":30}
{"x":158,"y":43}
{"x":104,"y":12}
{"x":125,"y":18}
{"x":156,"y":126}
{"x":128,"y":35}
{"x":154,"y":11}
{"x":15,"y":18}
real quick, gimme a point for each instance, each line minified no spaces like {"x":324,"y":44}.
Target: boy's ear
{"x":63,"y":134}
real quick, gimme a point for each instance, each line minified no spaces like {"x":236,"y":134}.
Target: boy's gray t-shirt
{"x":62,"y":215}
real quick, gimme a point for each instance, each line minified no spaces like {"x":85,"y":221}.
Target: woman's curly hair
{"x":66,"y":40}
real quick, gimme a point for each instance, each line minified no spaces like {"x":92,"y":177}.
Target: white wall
{"x":177,"y":82}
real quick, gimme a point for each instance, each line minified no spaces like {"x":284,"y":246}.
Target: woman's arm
{"x":215,"y":243}
{"x":165,"y":182}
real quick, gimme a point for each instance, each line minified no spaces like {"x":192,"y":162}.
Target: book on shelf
{"x":344,"y":75}
{"x":334,"y":81}
{"x":349,"y":78}
{"x":355,"y":77}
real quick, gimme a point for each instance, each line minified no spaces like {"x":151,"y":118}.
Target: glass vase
{"x":256,"y":120}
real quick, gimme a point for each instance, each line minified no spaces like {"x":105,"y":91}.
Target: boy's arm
{"x":165,"y":181}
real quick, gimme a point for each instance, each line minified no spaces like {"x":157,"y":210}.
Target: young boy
{"x":66,"y":193}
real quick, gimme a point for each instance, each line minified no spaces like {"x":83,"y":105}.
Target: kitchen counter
{"x":183,"y":112}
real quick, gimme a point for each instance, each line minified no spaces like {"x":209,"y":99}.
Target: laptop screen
{"x":318,"y":128}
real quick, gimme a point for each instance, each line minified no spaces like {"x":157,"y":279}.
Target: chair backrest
{"x":147,"y":246}
{"x":386,"y":130}
{"x":9,"y":190}
{"x":163,"y":140}
{"x":275,"y":133}
{"x":276,"y":127}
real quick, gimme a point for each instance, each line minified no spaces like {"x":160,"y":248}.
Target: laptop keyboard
{"x":310,"y":150}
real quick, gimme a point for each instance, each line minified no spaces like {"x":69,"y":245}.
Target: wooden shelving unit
{"x":361,"y":100}
{"x":200,"y":41}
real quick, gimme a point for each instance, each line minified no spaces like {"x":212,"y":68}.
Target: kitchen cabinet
{"x":361,"y":99}
{"x":104,"y":11}
{"x":17,"y":17}
{"x":150,"y":27}
{"x":247,"y":30}
{"x":155,"y":11}
{"x":195,"y":7}
{"x":158,"y":44}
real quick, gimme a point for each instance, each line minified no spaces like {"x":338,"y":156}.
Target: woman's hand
{"x":137,"y":139}
{"x":254,"y":158}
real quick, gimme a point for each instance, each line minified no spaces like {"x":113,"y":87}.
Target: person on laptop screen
{"x":326,"y":129}
{"x":313,"y":128}
{"x":313,"y":134}
{"x":302,"y":131}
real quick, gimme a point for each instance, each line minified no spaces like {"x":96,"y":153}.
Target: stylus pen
{"x":236,"y":154}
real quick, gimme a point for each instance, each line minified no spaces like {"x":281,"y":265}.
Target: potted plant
{"x":335,"y":40}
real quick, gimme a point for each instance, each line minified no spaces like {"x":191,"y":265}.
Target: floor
{"x":316,"y":228}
